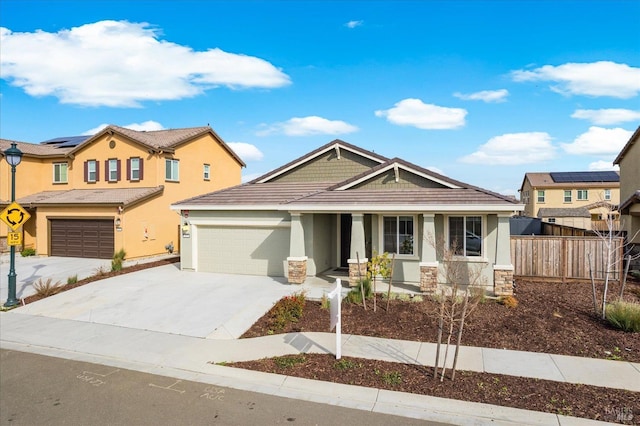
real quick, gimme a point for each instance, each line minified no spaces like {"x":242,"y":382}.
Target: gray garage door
{"x":243,"y":250}
{"x":92,"y":238}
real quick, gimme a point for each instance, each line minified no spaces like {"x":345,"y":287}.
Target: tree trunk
{"x":460,"y":328}
{"x":439,"y":341}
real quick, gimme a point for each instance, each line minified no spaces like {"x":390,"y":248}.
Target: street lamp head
{"x":13,"y":155}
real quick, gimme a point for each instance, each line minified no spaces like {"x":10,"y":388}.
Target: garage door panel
{"x":92,"y":238}
{"x":246,"y":250}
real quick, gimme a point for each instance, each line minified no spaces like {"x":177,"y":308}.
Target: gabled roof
{"x":634,"y":138}
{"x":336,"y":144}
{"x":105,"y":196}
{"x":263,"y":194}
{"x":159,"y":140}
{"x":633,"y":199}
{"x":594,"y":179}
{"x":563,"y":212}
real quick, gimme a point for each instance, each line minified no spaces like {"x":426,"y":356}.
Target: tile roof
{"x":34,"y":149}
{"x":633,"y":199}
{"x":563,"y":212}
{"x":258,"y":194}
{"x":108,"y":196}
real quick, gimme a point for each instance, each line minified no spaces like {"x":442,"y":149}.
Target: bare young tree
{"x":459,"y":296}
{"x":609,"y":231}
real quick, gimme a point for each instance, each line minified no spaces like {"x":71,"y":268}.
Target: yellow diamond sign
{"x":14,"y":216}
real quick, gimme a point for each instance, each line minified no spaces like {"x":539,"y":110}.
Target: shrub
{"x":72,"y":279}
{"x":47,"y":288}
{"x":508,"y":301}
{"x":355,"y":294}
{"x":288,"y":309}
{"x":118,"y":258}
{"x":289,"y":361}
{"x":344,"y":364}
{"x":28,"y":252}
{"x":624,"y":315}
{"x":325,"y":303}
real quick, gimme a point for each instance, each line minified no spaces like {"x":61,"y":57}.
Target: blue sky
{"x":482,"y":91}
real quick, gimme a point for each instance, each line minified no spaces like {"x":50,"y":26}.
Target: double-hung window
{"x":206,"y":172}
{"x":172,"y":170}
{"x":113,"y":170}
{"x":583,"y":194}
{"x":465,"y":235}
{"x":607,"y":194}
{"x":60,"y":172}
{"x":541,"y":196}
{"x":398,"y":234}
{"x":567,"y":195}
{"x":91,"y":171}
{"x":134,"y":169}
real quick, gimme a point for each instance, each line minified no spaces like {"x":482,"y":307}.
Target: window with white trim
{"x":206,"y":171}
{"x":465,"y":235}
{"x":607,"y":194}
{"x":92,"y":171}
{"x":541,"y":195}
{"x":398,"y":234}
{"x":112,"y":171}
{"x":172,"y":170}
{"x":134,"y":168}
{"x":60,"y":172}
{"x":567,"y":195}
{"x":582,"y":194}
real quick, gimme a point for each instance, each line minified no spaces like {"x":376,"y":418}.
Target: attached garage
{"x":242,"y":250}
{"x":91,"y":238}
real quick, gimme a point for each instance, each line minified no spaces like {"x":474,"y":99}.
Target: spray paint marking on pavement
{"x":213,"y":393}
{"x":92,"y":378}
{"x":168,"y":387}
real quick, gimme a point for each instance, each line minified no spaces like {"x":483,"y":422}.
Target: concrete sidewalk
{"x":194,"y":358}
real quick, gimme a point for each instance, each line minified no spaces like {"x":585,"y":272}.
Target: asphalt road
{"x":41,"y":390}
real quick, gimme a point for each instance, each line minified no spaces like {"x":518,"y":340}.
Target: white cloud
{"x":602,"y":78}
{"x":148,"y":125}
{"x":485,"y":95}
{"x":604,"y":117}
{"x":414,"y":112}
{"x":311,"y":125}
{"x":514,"y":149}
{"x":250,"y":176}
{"x":246,"y":151}
{"x":598,"y":141}
{"x":120,"y":64}
{"x":602,"y":165}
{"x":435,"y":169}
{"x":353,"y":24}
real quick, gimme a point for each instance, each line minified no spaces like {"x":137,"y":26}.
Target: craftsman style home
{"x":339,"y":205}
{"x":90,"y":196}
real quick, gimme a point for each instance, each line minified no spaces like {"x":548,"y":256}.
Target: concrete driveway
{"x":32,"y":268}
{"x":168,"y":300}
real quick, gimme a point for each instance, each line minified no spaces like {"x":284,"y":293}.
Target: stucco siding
{"x":322,"y":237}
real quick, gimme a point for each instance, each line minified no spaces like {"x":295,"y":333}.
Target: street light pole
{"x":13,"y":156}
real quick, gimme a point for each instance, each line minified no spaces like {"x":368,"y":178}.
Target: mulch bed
{"x":102,"y":274}
{"x":550,"y":317}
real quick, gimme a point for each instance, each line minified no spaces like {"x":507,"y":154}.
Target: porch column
{"x":503,"y":268}
{"x":297,"y":261}
{"x":428,"y":262}
{"x":357,"y":246}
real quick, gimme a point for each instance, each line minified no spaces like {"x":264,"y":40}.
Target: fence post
{"x":621,"y":242}
{"x":564,"y":259}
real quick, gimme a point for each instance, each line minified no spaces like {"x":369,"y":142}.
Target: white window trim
{"x":54,"y":172}
{"x":607,"y":195}
{"x":172,"y":178}
{"x":206,"y":171}
{"x":381,"y":217}
{"x":564,"y":196}
{"x":114,"y":170}
{"x":95,"y":171}
{"x":132,"y":169}
{"x":579,"y":191}
{"x":483,"y":248}
{"x":544,"y":195}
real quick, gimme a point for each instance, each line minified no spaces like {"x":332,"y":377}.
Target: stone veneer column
{"x":297,"y":261}
{"x":297,"y":270}
{"x":354,"y":267}
{"x":429,"y":277}
{"x":502,"y":280}
{"x":428,"y":263}
{"x":503,"y":269}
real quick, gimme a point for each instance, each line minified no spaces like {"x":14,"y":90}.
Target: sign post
{"x":335,"y":301}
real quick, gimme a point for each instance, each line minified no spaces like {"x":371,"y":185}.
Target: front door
{"x":345,"y":239}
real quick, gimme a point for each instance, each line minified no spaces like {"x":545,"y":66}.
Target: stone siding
{"x":503,"y":282}
{"x":428,"y":279}
{"x":297,"y":271}
{"x":354,"y":276}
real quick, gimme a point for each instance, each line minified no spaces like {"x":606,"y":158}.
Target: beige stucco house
{"x":92,"y":196}
{"x":338,"y":205}
{"x":629,"y":162}
{"x":576,"y":199}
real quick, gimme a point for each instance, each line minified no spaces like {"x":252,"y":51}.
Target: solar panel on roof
{"x":565,"y":177}
{"x":66,"y":142}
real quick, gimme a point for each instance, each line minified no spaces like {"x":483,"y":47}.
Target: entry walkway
{"x":195,"y":358}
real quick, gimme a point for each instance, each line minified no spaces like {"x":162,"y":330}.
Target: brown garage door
{"x":82,"y":238}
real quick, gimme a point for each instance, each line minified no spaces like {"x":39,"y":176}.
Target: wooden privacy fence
{"x":563,"y":258}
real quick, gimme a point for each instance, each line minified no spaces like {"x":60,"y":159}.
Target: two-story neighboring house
{"x":576,"y":199}
{"x":92,"y":196}
{"x":629,"y":162}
